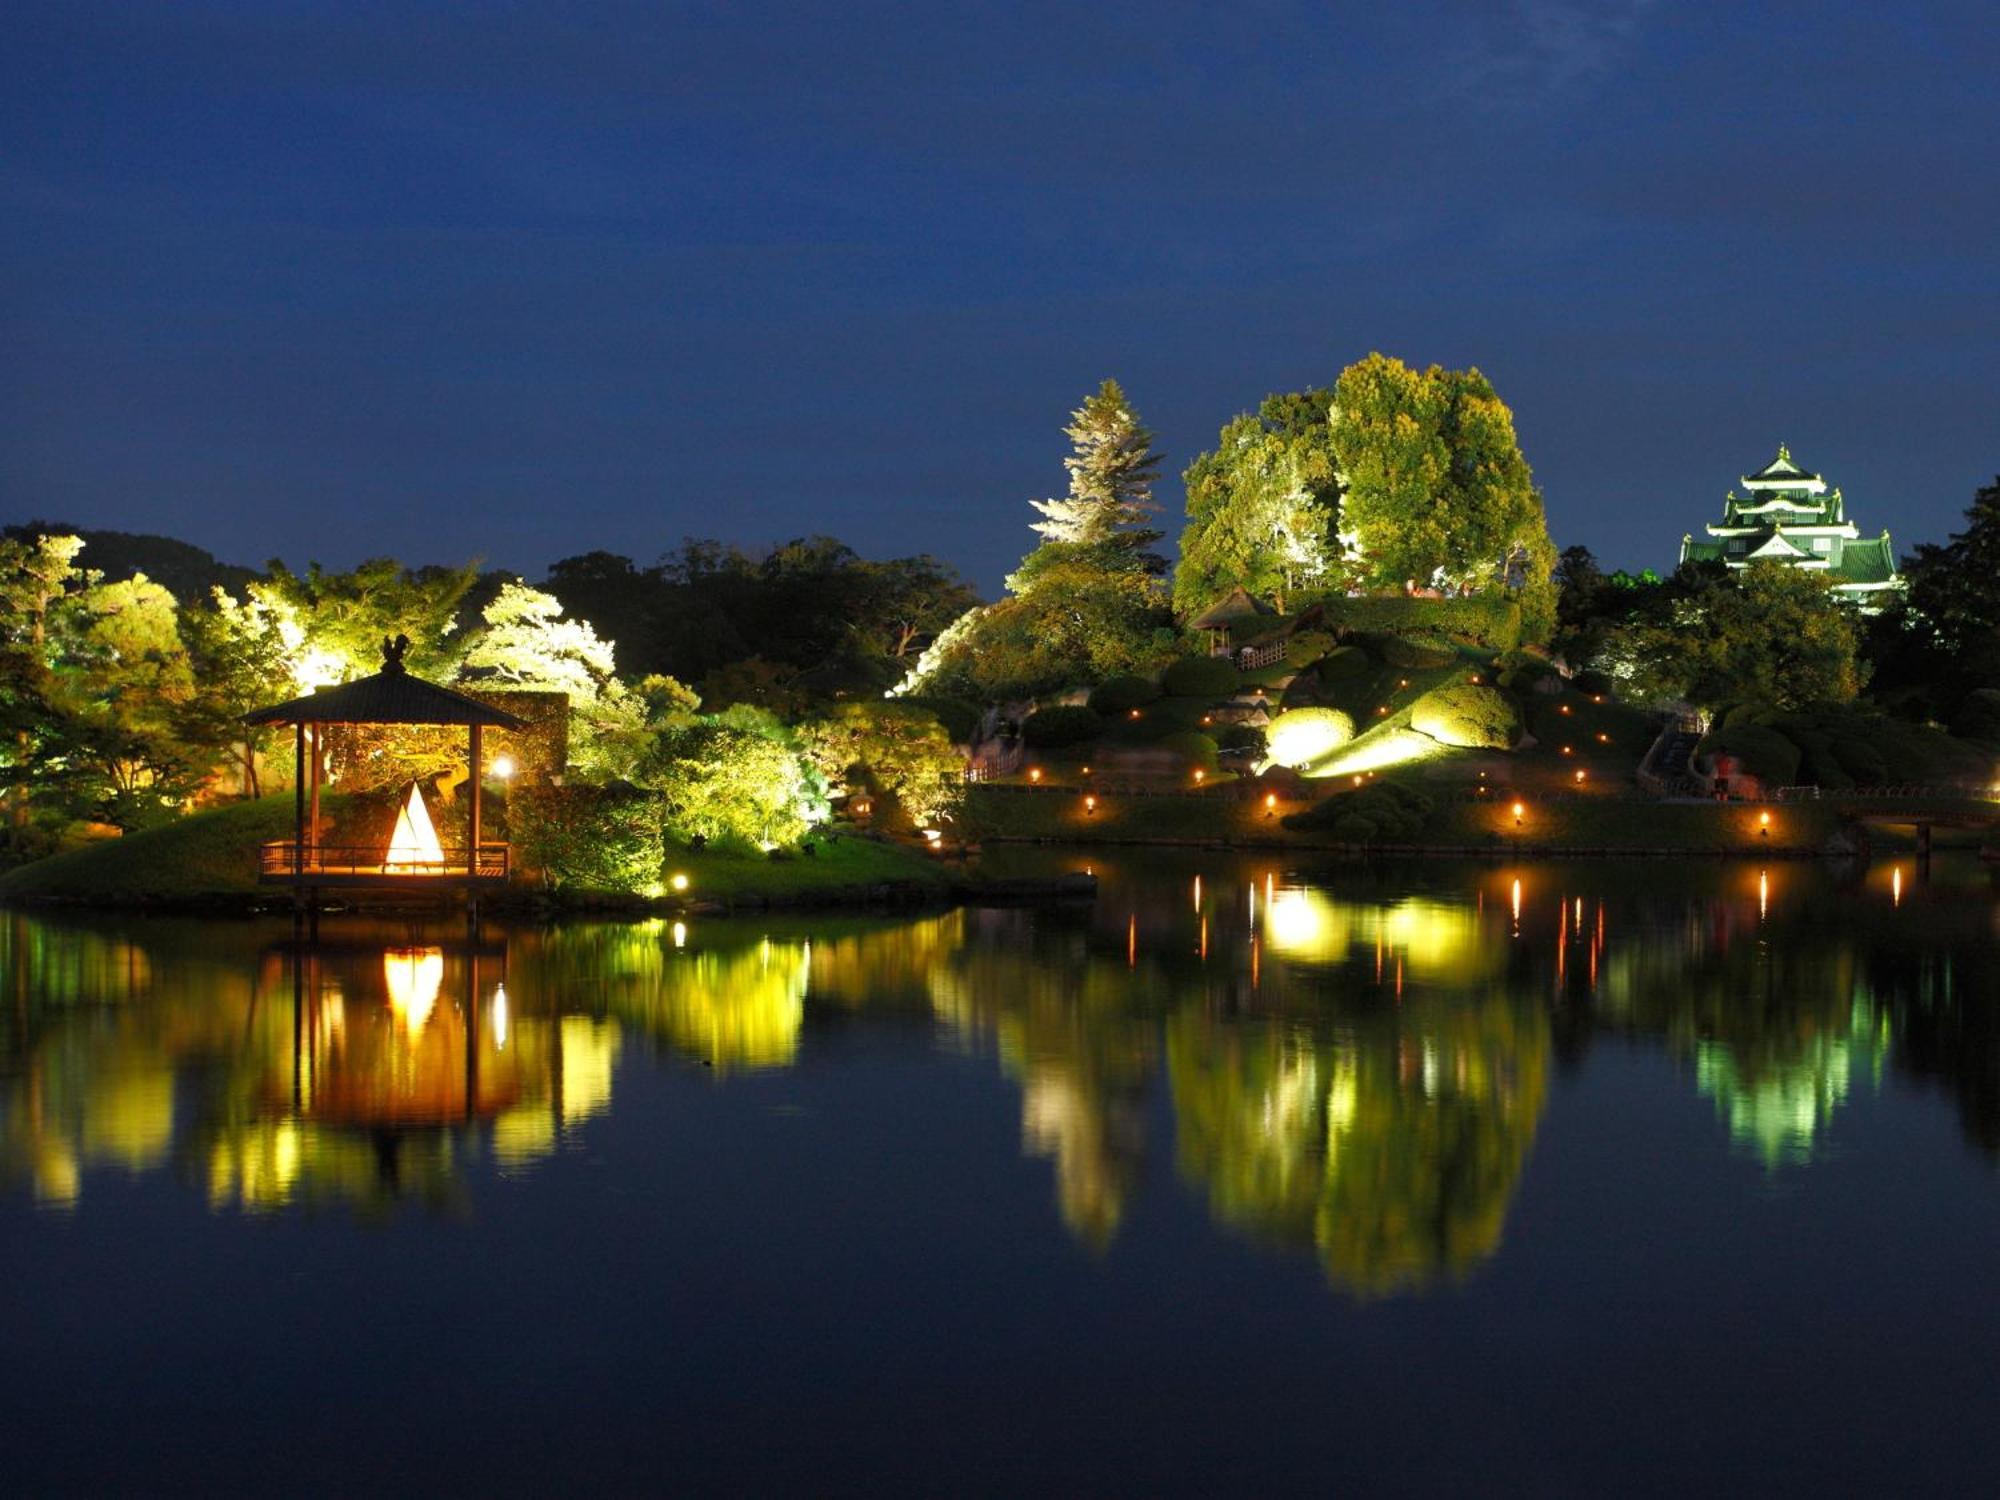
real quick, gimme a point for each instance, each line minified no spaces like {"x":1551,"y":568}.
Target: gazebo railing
{"x":285,"y":859}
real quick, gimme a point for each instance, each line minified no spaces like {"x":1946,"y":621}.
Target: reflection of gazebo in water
{"x":387,"y":1039}
{"x":412,"y":855}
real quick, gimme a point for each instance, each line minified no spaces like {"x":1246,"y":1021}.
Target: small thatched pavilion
{"x":391,"y":696}
{"x":1217,"y":620}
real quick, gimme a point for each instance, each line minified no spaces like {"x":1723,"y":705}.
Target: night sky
{"x":335,"y":280}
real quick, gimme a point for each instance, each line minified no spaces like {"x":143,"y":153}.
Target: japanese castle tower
{"x":1790,"y":516}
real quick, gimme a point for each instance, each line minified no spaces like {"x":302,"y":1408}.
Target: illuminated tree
{"x":721,"y":782}
{"x":1111,"y":476}
{"x":1766,"y":633}
{"x":898,"y":750}
{"x":1435,"y":488}
{"x":1262,"y":506}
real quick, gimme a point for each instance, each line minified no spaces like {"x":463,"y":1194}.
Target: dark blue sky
{"x":331,"y":280}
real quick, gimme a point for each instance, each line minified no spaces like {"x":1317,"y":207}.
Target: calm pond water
{"x":1434,"y":1177}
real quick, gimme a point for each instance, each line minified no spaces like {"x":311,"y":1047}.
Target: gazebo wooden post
{"x":472,"y":822}
{"x":298,"y":798}
{"x":312,"y":808}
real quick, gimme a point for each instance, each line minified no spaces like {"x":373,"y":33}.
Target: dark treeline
{"x":808,"y":619}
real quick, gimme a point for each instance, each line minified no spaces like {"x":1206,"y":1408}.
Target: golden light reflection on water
{"x":1370,"y":1092}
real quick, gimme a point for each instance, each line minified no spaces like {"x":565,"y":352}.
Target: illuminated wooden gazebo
{"x":413,"y":855}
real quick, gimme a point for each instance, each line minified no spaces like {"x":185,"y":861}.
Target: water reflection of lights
{"x":414,"y":976}
{"x":1763,"y":894}
{"x":680,"y":934}
{"x":500,"y":1017}
{"x":1516,"y":900}
{"x":1294,"y":921}
{"x":1896,"y":885}
{"x":1197,"y":893}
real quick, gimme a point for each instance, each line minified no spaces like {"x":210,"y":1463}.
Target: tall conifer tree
{"x":1110,"y":477}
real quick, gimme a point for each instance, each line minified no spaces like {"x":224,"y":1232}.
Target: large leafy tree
{"x":1111,"y":472}
{"x":1769,"y":634}
{"x":1435,"y":489}
{"x":348,"y":615}
{"x":1262,"y":507}
{"x":1945,"y":633}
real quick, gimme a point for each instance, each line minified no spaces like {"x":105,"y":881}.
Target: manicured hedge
{"x":1483,"y":622}
{"x":1344,"y":662}
{"x":1300,"y":736}
{"x":1192,"y":746}
{"x":1472,"y":718}
{"x":1119,"y":695}
{"x":1070,"y":724}
{"x":1200,"y":677}
{"x":1307,"y":647}
{"x":1380,"y":811}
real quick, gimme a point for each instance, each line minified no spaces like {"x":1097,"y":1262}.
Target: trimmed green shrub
{"x":1307,"y":647}
{"x":1468,"y":716}
{"x":589,"y":838}
{"x":1416,"y":655}
{"x":1521,"y":670}
{"x":1200,"y":677}
{"x":1483,"y":622}
{"x":1300,"y":736}
{"x":1305,"y":691}
{"x":1239,"y":737}
{"x":1383,"y":810}
{"x":1117,"y":695}
{"x":1344,"y":662}
{"x":1192,"y":746}
{"x":1067,"y":724}
{"x":1760,"y":749}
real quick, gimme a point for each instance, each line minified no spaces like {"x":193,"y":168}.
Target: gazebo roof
{"x":1235,"y":605}
{"x":391,"y":696}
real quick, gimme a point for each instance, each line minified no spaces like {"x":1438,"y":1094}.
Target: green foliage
{"x":588,"y":838}
{"x":1192,"y":746}
{"x":1377,"y":810}
{"x":1483,"y":621}
{"x":959,"y":718}
{"x":1300,"y":736}
{"x":1307,"y":647}
{"x":1306,"y":691}
{"x":1835,"y":746}
{"x":1436,"y":487}
{"x":1239,"y":737}
{"x":1200,"y":677}
{"x":897,"y":750}
{"x":1952,"y":618}
{"x":1079,"y":615}
{"x":1770,"y":633}
{"x":1123,"y":694}
{"x":1261,"y":507}
{"x":1344,"y":663}
{"x":1063,"y":725}
{"x":1519,"y":671}
{"x":1414,"y":654}
{"x":1467,"y":716}
{"x":720,"y":782}
{"x":202,"y":855}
